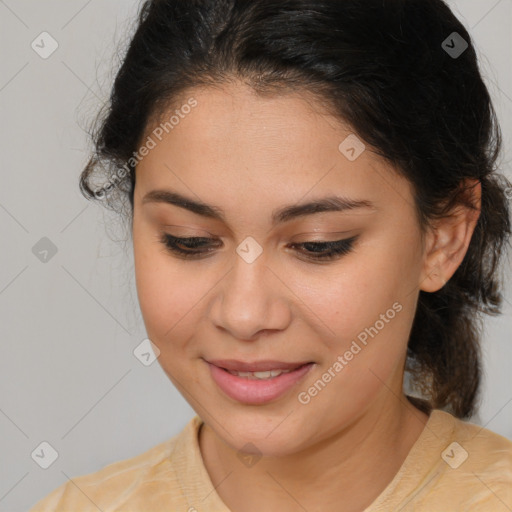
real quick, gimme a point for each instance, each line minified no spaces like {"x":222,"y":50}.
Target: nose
{"x":250,"y":301}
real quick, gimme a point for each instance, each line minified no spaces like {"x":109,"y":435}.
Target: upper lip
{"x":255,"y":366}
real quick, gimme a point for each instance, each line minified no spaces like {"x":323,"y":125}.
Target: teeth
{"x":259,"y":375}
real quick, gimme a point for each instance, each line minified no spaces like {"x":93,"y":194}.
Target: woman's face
{"x":255,"y":294}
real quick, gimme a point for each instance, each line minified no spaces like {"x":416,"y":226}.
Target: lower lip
{"x":257,"y":391}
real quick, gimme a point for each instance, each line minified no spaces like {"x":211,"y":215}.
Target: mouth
{"x":238,"y":367}
{"x":257,"y":382}
{"x":265,"y":375}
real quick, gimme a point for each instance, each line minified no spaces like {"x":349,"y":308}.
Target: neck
{"x":350,"y":467}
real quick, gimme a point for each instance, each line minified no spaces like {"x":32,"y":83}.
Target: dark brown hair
{"x":392,"y":70}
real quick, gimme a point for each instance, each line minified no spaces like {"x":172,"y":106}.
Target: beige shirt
{"x":453,"y":466}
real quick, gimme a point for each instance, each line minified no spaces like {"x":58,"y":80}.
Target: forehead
{"x":277,"y":124}
{"x":282,"y":146}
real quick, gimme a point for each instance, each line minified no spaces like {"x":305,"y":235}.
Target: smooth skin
{"x":250,"y":155}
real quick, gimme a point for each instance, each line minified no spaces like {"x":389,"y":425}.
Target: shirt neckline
{"x":421,"y":462}
{"x":420,"y":466}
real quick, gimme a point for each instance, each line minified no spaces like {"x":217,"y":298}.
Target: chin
{"x":258,"y":434}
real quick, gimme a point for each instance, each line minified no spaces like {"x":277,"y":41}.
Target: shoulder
{"x":454,"y":465}
{"x":487,"y":449}
{"x":141,"y":480}
{"x":475,"y":461}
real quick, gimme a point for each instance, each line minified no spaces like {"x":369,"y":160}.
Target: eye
{"x":327,"y":250}
{"x":195,"y":247}
{"x":187,"y":247}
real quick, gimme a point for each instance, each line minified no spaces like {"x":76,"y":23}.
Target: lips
{"x":257,"y":390}
{"x":256,"y":366}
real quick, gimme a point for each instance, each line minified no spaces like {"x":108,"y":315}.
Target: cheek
{"x":165,"y":294}
{"x":351,"y":297}
{"x":366,"y":310}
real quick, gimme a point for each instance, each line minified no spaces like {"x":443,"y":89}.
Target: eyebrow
{"x":284,"y":214}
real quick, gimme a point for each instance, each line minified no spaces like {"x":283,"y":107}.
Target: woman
{"x":315,"y":210}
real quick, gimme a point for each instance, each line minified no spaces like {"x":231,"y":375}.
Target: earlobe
{"x":449,"y":239}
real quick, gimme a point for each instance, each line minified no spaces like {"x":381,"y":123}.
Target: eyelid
{"x":325,"y":236}
{"x":191,"y":232}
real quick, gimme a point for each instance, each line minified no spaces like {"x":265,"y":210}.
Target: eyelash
{"x":336,"y":249}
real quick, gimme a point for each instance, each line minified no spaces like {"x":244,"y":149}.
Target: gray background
{"x":69,"y":326}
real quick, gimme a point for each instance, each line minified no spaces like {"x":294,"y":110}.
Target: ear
{"x":447,"y":241}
